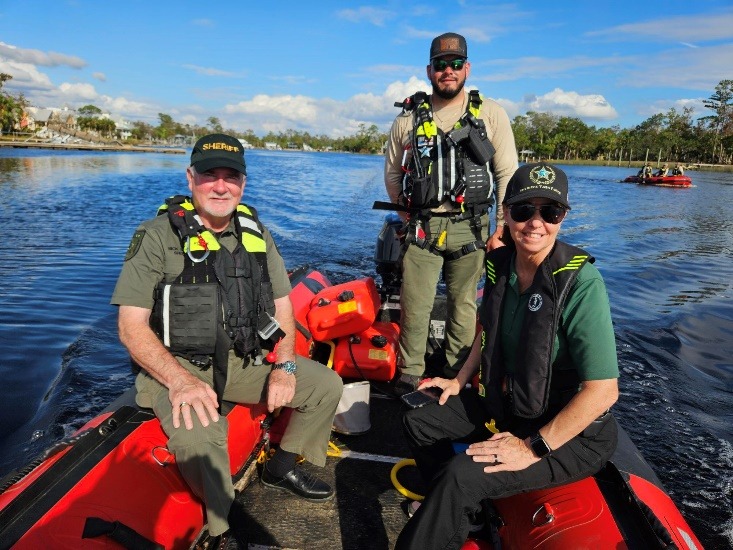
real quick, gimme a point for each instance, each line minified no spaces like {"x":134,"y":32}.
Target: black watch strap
{"x":539,"y":445}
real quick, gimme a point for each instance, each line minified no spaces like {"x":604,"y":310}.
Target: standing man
{"x":202,"y":288}
{"x":449,"y":154}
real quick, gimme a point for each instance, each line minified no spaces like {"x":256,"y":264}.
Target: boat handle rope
{"x":549,"y":515}
{"x":167,"y":460}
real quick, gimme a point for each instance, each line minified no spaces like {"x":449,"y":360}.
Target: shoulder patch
{"x":135,"y":243}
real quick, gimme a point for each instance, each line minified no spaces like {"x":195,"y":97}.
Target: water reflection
{"x":666,"y":256}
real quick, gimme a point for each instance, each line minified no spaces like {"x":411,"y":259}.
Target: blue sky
{"x":326,"y":67}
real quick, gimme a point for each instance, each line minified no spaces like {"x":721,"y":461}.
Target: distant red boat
{"x":666,"y":181}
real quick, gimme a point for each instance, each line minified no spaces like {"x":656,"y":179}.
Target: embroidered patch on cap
{"x":542,"y":175}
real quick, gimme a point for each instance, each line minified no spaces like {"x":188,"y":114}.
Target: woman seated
{"x":547,"y":369}
{"x":662,"y":172}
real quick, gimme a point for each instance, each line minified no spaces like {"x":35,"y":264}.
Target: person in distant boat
{"x":662,"y":172}
{"x":678,"y":170}
{"x":203,"y":297}
{"x":448,"y":155}
{"x":646,"y":171}
{"x":547,"y":375}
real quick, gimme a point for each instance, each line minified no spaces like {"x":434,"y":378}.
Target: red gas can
{"x":344,"y":309}
{"x":374,"y":350}
{"x":306,"y":284}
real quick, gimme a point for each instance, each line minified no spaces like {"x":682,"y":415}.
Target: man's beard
{"x":447,"y":94}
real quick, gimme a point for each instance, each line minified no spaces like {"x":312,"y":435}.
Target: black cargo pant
{"x":457,"y":484}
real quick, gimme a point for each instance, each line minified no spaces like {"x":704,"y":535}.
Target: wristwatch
{"x":539,"y":445}
{"x":288,"y":366}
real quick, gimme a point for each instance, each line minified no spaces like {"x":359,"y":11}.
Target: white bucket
{"x":352,"y":413}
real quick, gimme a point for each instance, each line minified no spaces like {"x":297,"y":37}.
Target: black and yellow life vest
{"x":222,"y":300}
{"x":534,"y":387}
{"x":453,"y":165}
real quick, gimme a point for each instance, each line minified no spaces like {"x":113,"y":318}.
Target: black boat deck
{"x":367,"y":512}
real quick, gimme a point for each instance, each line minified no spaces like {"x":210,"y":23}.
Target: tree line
{"x":671,"y":137}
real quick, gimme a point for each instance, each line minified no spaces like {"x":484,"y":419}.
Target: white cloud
{"x":37,"y":57}
{"x":100,"y":76}
{"x":499,"y":70}
{"x":264,"y":113}
{"x":26,"y":77}
{"x":684,"y":28}
{"x":78,"y":92}
{"x":375,"y":16}
{"x":210,"y":71}
{"x":696,"y":68}
{"x":573,"y":104}
{"x":662,"y":106}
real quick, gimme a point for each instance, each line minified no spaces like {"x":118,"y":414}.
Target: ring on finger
{"x":183,"y":403}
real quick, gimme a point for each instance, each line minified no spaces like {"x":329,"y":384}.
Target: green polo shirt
{"x":155,"y":255}
{"x":584,"y":341}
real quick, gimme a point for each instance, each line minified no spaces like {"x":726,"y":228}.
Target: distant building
{"x":37,"y":118}
{"x":524,"y":154}
{"x":272,"y":146}
{"x":246,"y":144}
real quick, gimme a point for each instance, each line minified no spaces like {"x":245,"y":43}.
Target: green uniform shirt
{"x":155,"y":255}
{"x":584,"y":341}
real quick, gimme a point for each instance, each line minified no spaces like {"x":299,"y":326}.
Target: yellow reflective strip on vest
{"x":211,"y":243}
{"x":250,"y":224}
{"x":575,"y":263}
{"x":475,"y":111}
{"x":253,"y":244}
{"x":491,"y":271}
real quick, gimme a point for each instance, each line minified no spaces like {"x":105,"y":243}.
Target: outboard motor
{"x":388,"y":251}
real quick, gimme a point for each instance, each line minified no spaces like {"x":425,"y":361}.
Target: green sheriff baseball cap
{"x":218,"y":151}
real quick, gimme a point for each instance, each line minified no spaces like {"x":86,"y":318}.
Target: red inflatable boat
{"x":664,"y":181}
{"x":115,"y":485}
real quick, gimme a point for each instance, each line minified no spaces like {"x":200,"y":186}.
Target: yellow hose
{"x":397,"y":485}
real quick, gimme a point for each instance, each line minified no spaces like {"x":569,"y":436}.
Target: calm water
{"x":666,"y":255}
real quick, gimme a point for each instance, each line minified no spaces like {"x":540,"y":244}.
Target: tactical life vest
{"x":533,"y":386}
{"x":441,"y":165}
{"x":221,"y":300}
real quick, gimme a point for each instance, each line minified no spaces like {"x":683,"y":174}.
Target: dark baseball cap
{"x":449,"y":43}
{"x":538,"y":180}
{"x":218,"y":151}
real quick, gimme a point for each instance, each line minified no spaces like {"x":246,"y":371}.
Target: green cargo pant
{"x":420,"y":273}
{"x":201,"y":453}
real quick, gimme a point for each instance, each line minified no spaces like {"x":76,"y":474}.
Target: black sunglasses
{"x":439,"y":65}
{"x":523,"y":211}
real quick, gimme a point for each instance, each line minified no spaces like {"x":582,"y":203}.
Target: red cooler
{"x":375,"y":353}
{"x":344,"y":309}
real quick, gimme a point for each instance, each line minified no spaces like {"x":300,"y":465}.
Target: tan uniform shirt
{"x":499,"y":130}
{"x":155,"y":255}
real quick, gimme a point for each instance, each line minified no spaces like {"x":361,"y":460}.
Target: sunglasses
{"x":524,"y":211}
{"x":439,"y":65}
